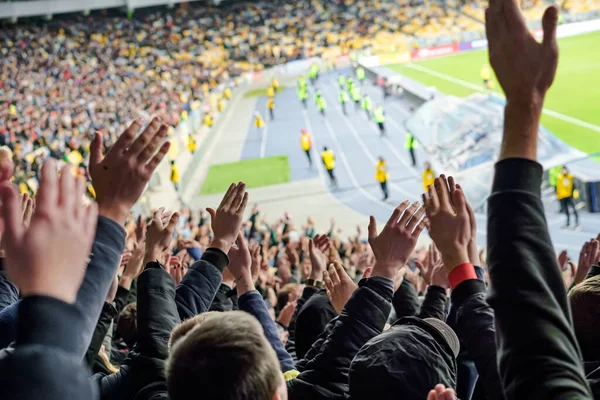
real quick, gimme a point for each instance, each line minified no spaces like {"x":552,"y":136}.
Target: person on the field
{"x":259,"y":122}
{"x":341,"y":81}
{"x":271,"y":107}
{"x":303,"y":94}
{"x":410,"y":144}
{"x":360,"y":74}
{"x":382,"y":176}
{"x":565,"y":191}
{"x":343,"y":100}
{"x":379,"y":117}
{"x":349,"y":83}
{"x":486,"y":76}
{"x":270,"y":91}
{"x":428,"y":177}
{"x":355,"y":94}
{"x":208,"y":119}
{"x":328,"y":159}
{"x":191,"y":143}
{"x":227,"y":93}
{"x":275,"y":84}
{"x":367,"y":105}
{"x":306,"y":142}
{"x":175,"y":175}
{"x":321,"y":103}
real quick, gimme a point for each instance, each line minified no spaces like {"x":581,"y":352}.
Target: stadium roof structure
{"x":462,"y":137}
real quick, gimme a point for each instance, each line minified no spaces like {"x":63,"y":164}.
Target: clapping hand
{"x":589,"y":255}
{"x":339,"y":286}
{"x":318,"y":247}
{"x":48,"y":257}
{"x":396,"y":242}
{"x":226,"y":220}
{"x":240,"y":265}
{"x":441,"y":393}
{"x":159,"y":235}
{"x":121,"y":176}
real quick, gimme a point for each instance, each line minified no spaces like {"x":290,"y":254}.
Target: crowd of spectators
{"x":97,"y":303}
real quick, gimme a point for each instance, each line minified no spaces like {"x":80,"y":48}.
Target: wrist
{"x":221,"y":244}
{"x":316,"y":275}
{"x":244,"y":284}
{"x":451,"y":260}
{"x":386,"y":269}
{"x":152,"y":254}
{"x":126,"y":281}
{"x":116,"y":213}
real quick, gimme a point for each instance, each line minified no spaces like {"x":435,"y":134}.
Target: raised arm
{"x":538,"y":354}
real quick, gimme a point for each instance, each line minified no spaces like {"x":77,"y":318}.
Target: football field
{"x":572,"y":108}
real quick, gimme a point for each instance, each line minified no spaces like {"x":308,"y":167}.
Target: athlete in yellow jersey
{"x":306,"y":142}
{"x":565,"y":191}
{"x":175,"y":175}
{"x":271,"y":107}
{"x":329,"y":162}
{"x":259,"y":122}
{"x":382,"y":176}
{"x":208,"y":119}
{"x":486,"y":77}
{"x":428,"y":177}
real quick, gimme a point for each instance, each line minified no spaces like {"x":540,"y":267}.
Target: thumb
{"x":549,"y":23}
{"x":212,"y":213}
{"x":368,"y":272}
{"x":11,"y":214}
{"x":372,"y":228}
{"x":96,"y":150}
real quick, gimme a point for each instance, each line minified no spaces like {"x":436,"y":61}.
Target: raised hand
{"x":450,"y":227}
{"x":121,"y":176}
{"x":256,"y":262}
{"x":589,"y":255}
{"x":339,"y":286}
{"x":49,"y":256}
{"x":134,"y":266}
{"x":286,"y":314}
{"x":396,"y":242}
{"x":226,"y":220}
{"x":177,"y":267}
{"x":318,"y":247}
{"x":240,"y":265}
{"x":524,"y":67}
{"x":441,"y":393}
{"x":433,"y":272}
{"x":159,"y":235}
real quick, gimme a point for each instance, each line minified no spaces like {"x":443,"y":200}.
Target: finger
{"x":47,"y":194}
{"x":419,"y":228}
{"x":432,"y":395}
{"x":433,"y":203}
{"x":372,"y":228}
{"x":144,"y":139}
{"x":242,"y":243}
{"x":327,"y":280}
{"x":158,"y":157}
{"x":78,"y":197}
{"x":441,"y":190}
{"x":154,"y":143}
{"x":422,"y":269}
{"x":333,"y":274}
{"x":416,"y":218}
{"x":24,"y":199}
{"x":239,"y":196}
{"x":398,"y":211}
{"x":549,"y":24}
{"x":11,"y":214}
{"x":229,"y":197}
{"x":449,"y":394}
{"x":95,"y":151}
{"x":91,"y":219}
{"x":472,"y":220}
{"x":408,"y":214}
{"x":341,"y":272}
{"x":460,"y":203}
{"x":29,"y":208}
{"x":124,"y":141}
{"x":439,"y":389}
{"x":513,"y":18}
{"x":451,"y":188}
{"x":67,"y":185}
{"x":328,"y":290}
{"x":157,"y":218}
{"x":242,"y":206}
{"x":172,"y":222}
{"x":368,"y":272}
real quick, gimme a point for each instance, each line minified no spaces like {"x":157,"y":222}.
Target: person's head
{"x":325,"y":148}
{"x":127,"y":325}
{"x":172,"y":162}
{"x":380,"y":159}
{"x":410,"y":358}
{"x":564,"y":170}
{"x":427,"y":165}
{"x":303,"y":131}
{"x":224,"y":355}
{"x":585,"y":304}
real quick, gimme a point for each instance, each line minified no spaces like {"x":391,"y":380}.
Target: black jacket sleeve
{"x":45,"y":362}
{"x":405,"y":301}
{"x":363,"y":317}
{"x":121,"y":299}
{"x":475,"y":329}
{"x":9,"y":293}
{"x":106,"y":316}
{"x":198,"y":287}
{"x":538,"y":354}
{"x":434,"y":303}
{"x":222,"y":300}
{"x":290,"y":346}
{"x":156,"y":317}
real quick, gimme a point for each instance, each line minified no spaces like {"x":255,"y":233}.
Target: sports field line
{"x":477,"y":88}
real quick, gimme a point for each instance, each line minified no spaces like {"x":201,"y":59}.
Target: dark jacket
{"x":106,"y":253}
{"x":364,"y":316}
{"x":45,"y":362}
{"x":538,"y":354}
{"x":405,"y":301}
{"x":223,"y":300}
{"x":311,"y":321}
{"x":434,"y":303}
{"x":156,"y":317}
{"x":290,"y":346}
{"x":592,"y":371}
{"x":198,"y":287}
{"x":475,"y":328}
{"x":9,"y":294}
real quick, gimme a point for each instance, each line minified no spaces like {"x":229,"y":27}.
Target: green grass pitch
{"x":256,"y":172}
{"x":575,"y":92}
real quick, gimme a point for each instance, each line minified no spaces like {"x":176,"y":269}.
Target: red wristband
{"x":461,"y":273}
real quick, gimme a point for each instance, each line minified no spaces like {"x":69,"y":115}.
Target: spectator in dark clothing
{"x":311,"y":321}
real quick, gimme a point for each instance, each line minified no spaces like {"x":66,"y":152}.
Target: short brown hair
{"x":227,"y":356}
{"x":180,"y":330}
{"x":585,"y":305}
{"x":127,"y":325}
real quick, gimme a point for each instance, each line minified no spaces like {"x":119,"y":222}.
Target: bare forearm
{"x":521,"y":122}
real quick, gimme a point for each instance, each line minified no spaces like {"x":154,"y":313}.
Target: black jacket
{"x":405,"y":301}
{"x":290,"y":346}
{"x":311,"y":322}
{"x":326,"y":375}
{"x":538,"y":354}
{"x":156,"y":317}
